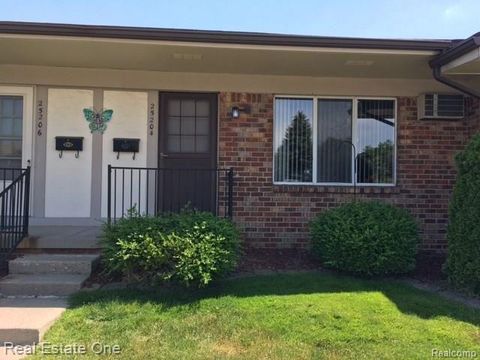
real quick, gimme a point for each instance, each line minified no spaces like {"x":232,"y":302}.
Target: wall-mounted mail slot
{"x":126,"y":145}
{"x":68,"y":143}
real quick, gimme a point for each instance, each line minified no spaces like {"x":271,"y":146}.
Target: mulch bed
{"x":253,"y":260}
{"x":430,"y":266}
{"x":259,"y":260}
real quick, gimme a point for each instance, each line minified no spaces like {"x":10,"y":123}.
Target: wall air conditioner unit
{"x":440,"y":106}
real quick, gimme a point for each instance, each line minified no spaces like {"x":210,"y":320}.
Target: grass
{"x":294,"y":316}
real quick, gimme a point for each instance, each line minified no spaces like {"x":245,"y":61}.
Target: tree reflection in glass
{"x":294,"y":156}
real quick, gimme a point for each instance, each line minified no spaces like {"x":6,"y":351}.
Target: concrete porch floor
{"x":62,"y":237}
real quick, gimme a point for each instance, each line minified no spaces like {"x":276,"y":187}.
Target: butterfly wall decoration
{"x":97,"y":120}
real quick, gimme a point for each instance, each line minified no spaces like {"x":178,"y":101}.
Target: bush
{"x":463,"y":235}
{"x":191,"y":248}
{"x":365,"y":238}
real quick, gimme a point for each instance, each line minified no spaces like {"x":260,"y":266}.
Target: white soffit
{"x":58,"y":51}
{"x":468,"y":63}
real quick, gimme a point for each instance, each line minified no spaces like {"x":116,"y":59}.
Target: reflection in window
{"x":293,"y":140}
{"x":334,"y":135}
{"x":375,"y":141}
{"x":11,"y":120}
{"x":188,"y":126}
{"x":371,"y":129}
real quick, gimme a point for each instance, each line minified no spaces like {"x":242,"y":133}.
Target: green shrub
{"x":191,"y":248}
{"x":365,"y":238}
{"x":463,"y":261}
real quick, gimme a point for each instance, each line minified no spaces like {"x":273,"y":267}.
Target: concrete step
{"x":62,"y":237}
{"x":41,"y":284}
{"x":53,"y":264}
{"x":23,"y":321}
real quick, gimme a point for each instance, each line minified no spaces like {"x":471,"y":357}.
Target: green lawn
{"x":298,"y":316}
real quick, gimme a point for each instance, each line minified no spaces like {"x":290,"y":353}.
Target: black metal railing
{"x":14,"y":210}
{"x":151,"y":191}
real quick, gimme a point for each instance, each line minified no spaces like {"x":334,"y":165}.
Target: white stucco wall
{"x":129,"y":121}
{"x":68,"y":179}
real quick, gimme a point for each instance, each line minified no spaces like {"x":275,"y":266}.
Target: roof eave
{"x":456,"y":51}
{"x":226,"y":37}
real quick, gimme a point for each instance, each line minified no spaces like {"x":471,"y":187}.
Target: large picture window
{"x":315,"y":138}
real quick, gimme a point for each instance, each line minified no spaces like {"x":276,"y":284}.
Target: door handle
{"x":163,"y":155}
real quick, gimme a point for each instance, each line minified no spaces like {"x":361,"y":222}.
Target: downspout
{"x":437,"y":74}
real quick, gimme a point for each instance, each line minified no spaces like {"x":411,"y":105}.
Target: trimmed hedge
{"x":190,"y":248}
{"x":463,"y":235}
{"x":366,"y":238}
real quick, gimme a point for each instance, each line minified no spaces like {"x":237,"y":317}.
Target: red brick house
{"x":305,"y":122}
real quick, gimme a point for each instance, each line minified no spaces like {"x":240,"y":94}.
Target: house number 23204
{"x":151,"y":119}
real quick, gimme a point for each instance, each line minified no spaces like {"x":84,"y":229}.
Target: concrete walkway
{"x":445,"y":292}
{"x":23,"y":321}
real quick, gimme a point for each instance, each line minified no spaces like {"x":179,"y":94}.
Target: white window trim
{"x":354,"y":100}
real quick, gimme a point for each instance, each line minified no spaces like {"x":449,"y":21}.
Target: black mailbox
{"x":126,"y":145}
{"x":68,"y":143}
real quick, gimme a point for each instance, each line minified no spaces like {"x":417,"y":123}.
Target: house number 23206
{"x":40,"y":116}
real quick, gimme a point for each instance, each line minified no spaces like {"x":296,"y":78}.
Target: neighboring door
{"x":16,"y":113}
{"x":187,"y":152}
{"x":11,"y":125}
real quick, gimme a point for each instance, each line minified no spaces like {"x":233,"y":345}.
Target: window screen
{"x":375,"y":141}
{"x":334,"y":137}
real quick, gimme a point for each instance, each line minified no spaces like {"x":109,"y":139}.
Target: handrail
{"x":151,"y":190}
{"x":14,"y":213}
{"x":12,"y":184}
{"x":166,"y":168}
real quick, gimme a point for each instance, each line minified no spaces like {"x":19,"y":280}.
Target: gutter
{"x":456,"y":50}
{"x":451,"y":54}
{"x":437,"y":74}
{"x":222,"y":37}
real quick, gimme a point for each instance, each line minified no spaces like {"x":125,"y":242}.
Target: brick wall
{"x":473,"y":115}
{"x":277,"y":215}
